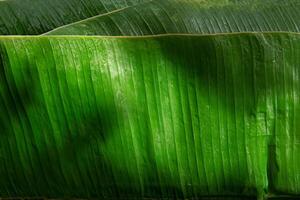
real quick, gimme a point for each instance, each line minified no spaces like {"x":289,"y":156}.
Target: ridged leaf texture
{"x":148,"y":99}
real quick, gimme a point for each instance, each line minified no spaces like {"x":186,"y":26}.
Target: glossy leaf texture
{"x":150,"y":117}
{"x":191,"y":17}
{"x":155,"y":117}
{"x":34,"y":17}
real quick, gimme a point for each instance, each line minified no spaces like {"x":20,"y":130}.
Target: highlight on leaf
{"x":149,"y":99}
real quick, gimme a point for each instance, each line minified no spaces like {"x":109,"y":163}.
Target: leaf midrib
{"x":153,"y":36}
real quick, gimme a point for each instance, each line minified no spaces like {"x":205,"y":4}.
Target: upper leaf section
{"x":146,"y":17}
{"x":199,"y":17}
{"x":33,"y":17}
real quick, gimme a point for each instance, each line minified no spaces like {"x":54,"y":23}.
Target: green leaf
{"x":150,"y":117}
{"x":33,"y":17}
{"x":192,"y":17}
{"x":174,"y":116}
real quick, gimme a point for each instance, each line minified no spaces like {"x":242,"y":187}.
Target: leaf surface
{"x":150,"y":117}
{"x":34,"y":17}
{"x":195,"y":115}
{"x":192,"y":17}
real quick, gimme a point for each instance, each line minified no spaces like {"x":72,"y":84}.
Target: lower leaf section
{"x":150,"y":117}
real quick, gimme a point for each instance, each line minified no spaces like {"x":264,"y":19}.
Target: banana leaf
{"x":208,"y":109}
{"x":150,"y":117}
{"x":191,"y":17}
{"x":34,"y":17}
